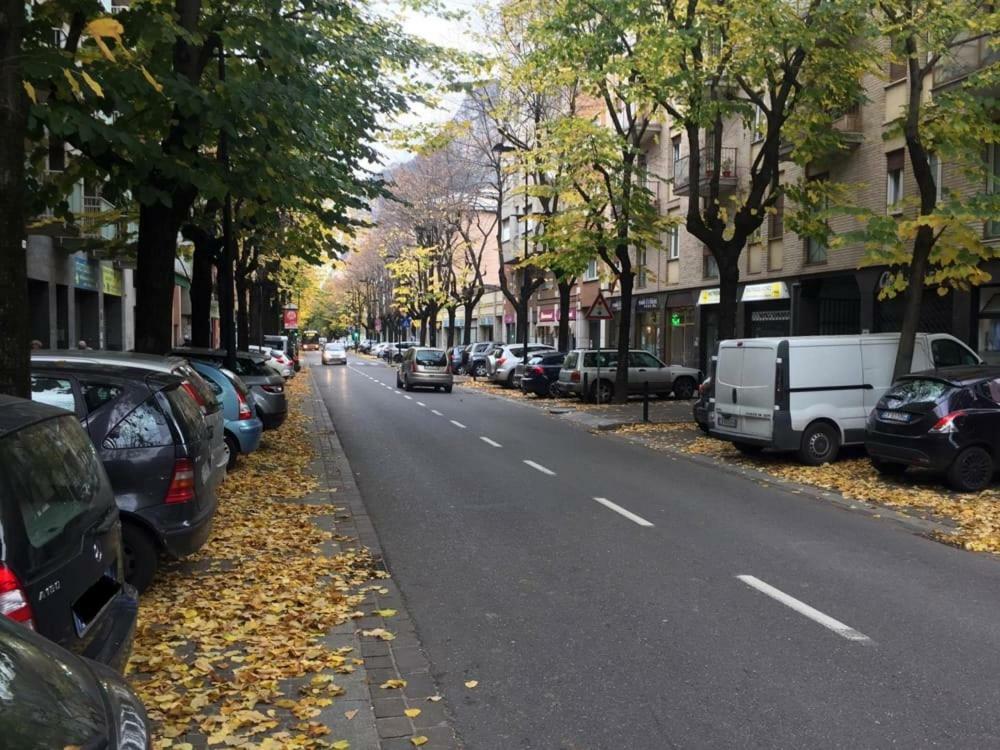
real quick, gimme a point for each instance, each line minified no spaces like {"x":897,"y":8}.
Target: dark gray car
{"x":155,"y":448}
{"x":266,"y":386}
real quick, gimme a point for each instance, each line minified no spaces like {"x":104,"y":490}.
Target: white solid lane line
{"x":804,"y":609}
{"x":435,"y":411}
{"x":486,"y":440}
{"x":623,"y":511}
{"x":540,"y":468}
{"x":421,"y":403}
{"x":408,"y":398}
{"x":457,"y":424}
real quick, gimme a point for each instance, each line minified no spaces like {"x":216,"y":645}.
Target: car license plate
{"x":726,"y":420}
{"x":894,"y":416}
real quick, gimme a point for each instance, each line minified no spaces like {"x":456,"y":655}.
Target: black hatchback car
{"x":946,"y":420}
{"x":61,"y":570}
{"x":541,"y":374}
{"x":153,"y":441}
{"x":53,"y":699}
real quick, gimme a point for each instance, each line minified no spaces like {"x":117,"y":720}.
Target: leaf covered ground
{"x":976,"y":517}
{"x":220,"y":632}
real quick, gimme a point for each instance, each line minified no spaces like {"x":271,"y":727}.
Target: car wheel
{"x":820,"y":444}
{"x":684,"y":388}
{"x":602,"y":391}
{"x":479,"y":370}
{"x":554,"y":391}
{"x":447,"y":389}
{"x":748,"y":449}
{"x":888,"y":468}
{"x":139,"y":556}
{"x":232,"y":452}
{"x":406,"y":384}
{"x":971,"y":471}
{"x":509,"y":382}
{"x":399,"y":383}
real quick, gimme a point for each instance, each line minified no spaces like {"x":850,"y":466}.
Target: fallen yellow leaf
{"x":471,"y":684}
{"x":412,"y":712}
{"x":341,"y":745}
{"x":418,"y":741}
{"x":351,"y":714}
{"x":391,"y":684}
{"x":386,"y":612}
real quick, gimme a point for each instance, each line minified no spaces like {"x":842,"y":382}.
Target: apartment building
{"x":791,"y":285}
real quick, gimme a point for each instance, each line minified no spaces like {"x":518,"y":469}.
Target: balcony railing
{"x":91,"y":225}
{"x":706,"y":170}
{"x":965,"y":58}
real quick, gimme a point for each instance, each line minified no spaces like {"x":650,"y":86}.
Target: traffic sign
{"x":407,"y":321}
{"x":600,"y":310}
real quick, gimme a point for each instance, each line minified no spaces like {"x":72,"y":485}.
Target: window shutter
{"x":895,"y":160}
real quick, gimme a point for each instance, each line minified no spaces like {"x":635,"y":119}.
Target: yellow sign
{"x":111,"y":280}
{"x":709,"y":296}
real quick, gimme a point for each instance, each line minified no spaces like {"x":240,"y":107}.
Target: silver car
{"x":503,"y":360}
{"x":590,"y":374}
{"x":426,"y":368}
{"x":334,"y":354}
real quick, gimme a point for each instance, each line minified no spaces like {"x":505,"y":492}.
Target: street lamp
{"x":258,"y":283}
{"x":505,"y":148}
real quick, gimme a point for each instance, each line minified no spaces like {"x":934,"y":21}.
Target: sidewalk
{"x":285,"y":630}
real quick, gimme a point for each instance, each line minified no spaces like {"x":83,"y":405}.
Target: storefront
{"x":546,"y":327}
{"x":767,"y":310}
{"x":649,"y":324}
{"x":111,"y":284}
{"x":86,"y":301}
{"x":682,"y":329}
{"x":988,"y":324}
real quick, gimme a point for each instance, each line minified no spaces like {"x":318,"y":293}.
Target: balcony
{"x":651,"y":136}
{"x":850,"y":126}
{"x":964,"y":59}
{"x":653,"y":186}
{"x":728,"y":180}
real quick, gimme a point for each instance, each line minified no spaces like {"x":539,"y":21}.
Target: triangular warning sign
{"x":600,"y":310}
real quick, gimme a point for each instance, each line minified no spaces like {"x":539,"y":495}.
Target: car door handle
{"x":734,"y":396}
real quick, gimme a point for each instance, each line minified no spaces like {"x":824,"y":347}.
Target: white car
{"x":277,"y":361}
{"x":334,"y":354}
{"x":504,"y":359}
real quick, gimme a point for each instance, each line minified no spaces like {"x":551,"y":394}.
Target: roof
{"x":960,"y":375}
{"x":17,"y":413}
{"x":125,"y":359}
{"x":152,"y":377}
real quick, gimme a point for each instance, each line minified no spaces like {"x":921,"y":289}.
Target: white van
{"x":812,"y":394}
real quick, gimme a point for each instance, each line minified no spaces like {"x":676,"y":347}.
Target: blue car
{"x":242,"y":427}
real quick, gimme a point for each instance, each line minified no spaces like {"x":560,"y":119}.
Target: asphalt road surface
{"x":608,"y":596}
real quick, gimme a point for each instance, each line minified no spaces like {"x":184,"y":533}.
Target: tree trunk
{"x":625,"y":281}
{"x":14,"y":346}
{"x":423,"y":331}
{"x":565,"y":288}
{"x":242,"y":312}
{"x":729,"y":281}
{"x":154,"y":278}
{"x":205,"y":250}
{"x":451,"y":327}
{"x":467,"y":324}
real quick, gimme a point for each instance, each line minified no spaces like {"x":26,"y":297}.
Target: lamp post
{"x":504,"y":148}
{"x":258,"y":283}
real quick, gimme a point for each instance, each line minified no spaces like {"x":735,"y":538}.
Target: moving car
{"x":154,"y":444}
{"x":590,"y":374}
{"x":266,"y":386}
{"x":61,"y":559}
{"x":426,"y":368}
{"x":191,"y":381}
{"x":947,"y":420}
{"x":51,"y":698}
{"x":813,"y":394}
{"x":243,"y":427}
{"x":334,"y":354}
{"x":541,"y":376}
{"x":505,"y":357}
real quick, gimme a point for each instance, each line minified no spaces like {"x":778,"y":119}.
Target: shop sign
{"x":508,"y":318}
{"x":647,"y":303}
{"x":84,"y":275}
{"x":676,"y":320}
{"x":111,"y":281}
{"x":547,"y":314}
{"x":759,"y":292}
{"x":708,"y":296}
{"x":291,"y":318}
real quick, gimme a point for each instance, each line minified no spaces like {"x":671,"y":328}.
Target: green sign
{"x":356,"y":335}
{"x":676,"y":320}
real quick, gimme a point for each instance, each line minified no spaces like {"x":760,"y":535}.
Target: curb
{"x":387,"y":727}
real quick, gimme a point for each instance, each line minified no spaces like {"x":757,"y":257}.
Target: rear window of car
{"x":553,"y":359}
{"x":186,"y":413}
{"x":96,"y":395}
{"x":52,"y":473}
{"x":146,"y":426}
{"x":917,"y":391}
{"x":432,"y":358}
{"x":238,"y":384}
{"x":570,"y":362}
{"x":198,"y":383}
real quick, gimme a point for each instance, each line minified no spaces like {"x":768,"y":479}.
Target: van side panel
{"x":878,"y":357}
{"x":827,"y":381}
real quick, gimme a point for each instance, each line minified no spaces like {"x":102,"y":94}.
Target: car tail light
{"x":14,"y":599}
{"x":245,"y":411}
{"x":501,"y":361}
{"x":181,"y":488}
{"x":574,"y":376}
{"x":273,"y":388}
{"x":188,"y":386}
{"x":947,"y":423}
{"x":536,"y":370}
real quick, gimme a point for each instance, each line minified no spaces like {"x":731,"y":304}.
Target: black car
{"x":154,"y":444}
{"x":455,"y":358}
{"x":703,"y":405}
{"x":476,"y":358}
{"x":541,"y":375}
{"x":61,"y":560}
{"x":50,"y":698}
{"x":947,"y":420}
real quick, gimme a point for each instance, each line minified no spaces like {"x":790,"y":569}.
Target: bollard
{"x":645,"y":401}
{"x":586,"y":390}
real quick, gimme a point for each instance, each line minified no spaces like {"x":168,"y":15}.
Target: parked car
{"x":52,"y":698}
{"x":813,"y":394}
{"x":394,"y":352}
{"x":334,"y":354}
{"x":275,"y":360}
{"x":946,"y":420}
{"x":580,"y":372}
{"x":243,"y":427}
{"x":541,"y":376}
{"x":61,"y":558}
{"x":266,"y":386}
{"x":504,"y":359}
{"x":191,"y":381}
{"x":154,"y":444}
{"x":426,"y":368}
{"x":286,"y":345}
{"x":455,"y":359}
{"x":476,"y":358}
{"x":703,"y":405}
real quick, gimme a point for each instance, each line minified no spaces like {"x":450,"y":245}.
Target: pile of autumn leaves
{"x":218,"y":637}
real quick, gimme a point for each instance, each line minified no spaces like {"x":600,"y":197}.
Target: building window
{"x":937,"y":172}
{"x":816,"y":249}
{"x":591,"y":273}
{"x":759,"y":124}
{"x":57,"y":155}
{"x":993,"y":185}
{"x":710,"y":266}
{"x":897,"y":71}
{"x":674,"y":243}
{"x":894,"y":180}
{"x":505,"y":229}
{"x":776,"y":219}
{"x":675,"y":151}
{"x":640,"y":265}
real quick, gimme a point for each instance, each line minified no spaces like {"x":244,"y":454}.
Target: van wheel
{"x":140,"y":556}
{"x":888,"y":468}
{"x":232,"y":452}
{"x":820,"y":444}
{"x":971,"y":471}
{"x":747,"y":449}
{"x":683,"y":388}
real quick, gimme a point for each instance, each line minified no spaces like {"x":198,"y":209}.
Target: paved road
{"x":626,"y":624}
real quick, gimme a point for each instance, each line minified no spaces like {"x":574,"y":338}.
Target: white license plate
{"x":726,"y":420}
{"x":894,"y":416}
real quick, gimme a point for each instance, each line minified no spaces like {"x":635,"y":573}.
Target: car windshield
{"x":52,"y":472}
{"x":334,"y":347}
{"x":432,"y":358}
{"x":916,"y":391}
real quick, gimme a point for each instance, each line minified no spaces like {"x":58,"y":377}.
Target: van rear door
{"x":744,"y":391}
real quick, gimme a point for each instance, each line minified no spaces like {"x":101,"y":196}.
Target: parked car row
{"x":813,"y":395}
